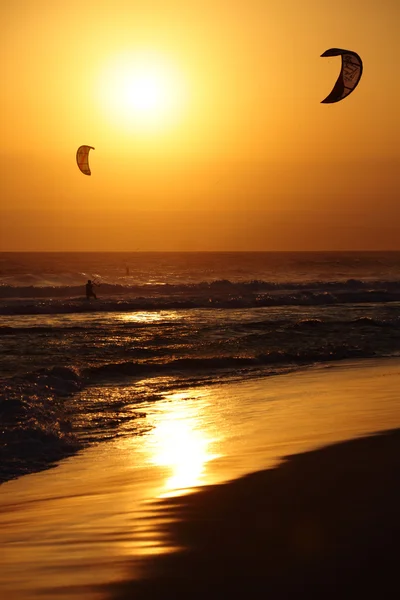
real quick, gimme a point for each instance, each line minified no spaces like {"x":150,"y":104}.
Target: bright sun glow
{"x":141,"y":91}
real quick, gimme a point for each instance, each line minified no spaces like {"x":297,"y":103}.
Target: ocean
{"x":74,"y":372}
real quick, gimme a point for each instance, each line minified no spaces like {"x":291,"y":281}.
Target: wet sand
{"x":116,"y":521}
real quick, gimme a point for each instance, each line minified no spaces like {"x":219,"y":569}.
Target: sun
{"x":141,"y":91}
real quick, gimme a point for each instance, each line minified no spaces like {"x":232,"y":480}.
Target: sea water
{"x":167,"y":321}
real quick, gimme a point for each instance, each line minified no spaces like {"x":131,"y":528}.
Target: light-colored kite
{"x":82,"y":158}
{"x":350,"y":74}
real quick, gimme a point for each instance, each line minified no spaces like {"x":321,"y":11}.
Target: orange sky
{"x":229,"y":150}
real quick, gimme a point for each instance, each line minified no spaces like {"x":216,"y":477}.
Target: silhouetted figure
{"x":89,"y":290}
{"x":127,"y":270}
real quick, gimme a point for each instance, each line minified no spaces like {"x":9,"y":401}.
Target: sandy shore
{"x":114,"y":522}
{"x":324,"y":524}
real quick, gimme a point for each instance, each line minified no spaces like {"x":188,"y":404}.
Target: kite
{"x":350,"y":74}
{"x":82,"y":158}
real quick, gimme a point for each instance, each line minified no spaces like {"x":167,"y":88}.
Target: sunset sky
{"x":207,"y":125}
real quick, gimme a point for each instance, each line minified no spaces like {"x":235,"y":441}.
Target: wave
{"x":255,"y":329}
{"x":225,"y":363}
{"x":9,"y":330}
{"x":226,"y":295}
{"x":36,"y":431}
{"x":29,"y":290}
{"x":358,"y":322}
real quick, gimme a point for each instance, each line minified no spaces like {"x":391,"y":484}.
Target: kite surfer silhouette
{"x":89,"y":290}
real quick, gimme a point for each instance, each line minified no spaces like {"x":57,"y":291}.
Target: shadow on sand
{"x":323,"y":524}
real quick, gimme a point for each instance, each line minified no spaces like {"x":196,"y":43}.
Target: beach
{"x":322,"y":524}
{"x":125,"y":518}
{"x":199,"y":300}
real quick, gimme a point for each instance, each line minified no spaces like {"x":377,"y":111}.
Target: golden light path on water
{"x":178,"y":439}
{"x":93,"y":519}
{"x":180,"y":442}
{"x":145,"y":317}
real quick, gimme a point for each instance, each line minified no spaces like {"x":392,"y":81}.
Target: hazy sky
{"x":207,"y":125}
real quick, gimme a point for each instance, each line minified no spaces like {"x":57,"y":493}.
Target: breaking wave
{"x":220,"y":294}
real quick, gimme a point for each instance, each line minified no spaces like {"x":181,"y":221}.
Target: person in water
{"x":89,"y":290}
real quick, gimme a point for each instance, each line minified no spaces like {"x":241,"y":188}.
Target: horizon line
{"x":191,"y":251}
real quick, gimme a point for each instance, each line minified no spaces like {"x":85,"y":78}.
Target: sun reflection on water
{"x":145,"y":316}
{"x":181,"y":442}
